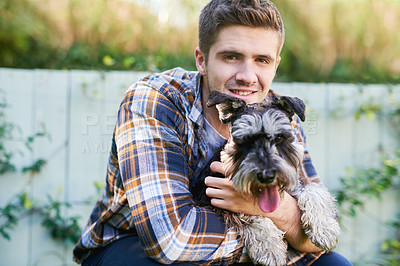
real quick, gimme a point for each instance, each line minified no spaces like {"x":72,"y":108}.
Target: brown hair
{"x":218,"y":14}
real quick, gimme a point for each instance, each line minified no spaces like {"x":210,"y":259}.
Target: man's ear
{"x":278,"y":60}
{"x":200,"y":61}
{"x":291,"y":106}
{"x":227,"y":106}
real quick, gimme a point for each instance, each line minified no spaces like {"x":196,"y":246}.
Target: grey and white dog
{"x":262,"y":157}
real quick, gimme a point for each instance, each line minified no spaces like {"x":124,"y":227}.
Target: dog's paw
{"x":272,"y":258}
{"x":264,"y":242}
{"x":324,"y":234}
{"x":319,"y":216}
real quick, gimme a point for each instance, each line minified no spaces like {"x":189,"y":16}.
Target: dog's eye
{"x":278,"y":139}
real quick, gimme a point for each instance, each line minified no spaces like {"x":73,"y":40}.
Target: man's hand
{"x":223,"y":195}
{"x":286,"y":217}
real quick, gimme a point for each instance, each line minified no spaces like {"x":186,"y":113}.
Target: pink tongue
{"x":269,"y":199}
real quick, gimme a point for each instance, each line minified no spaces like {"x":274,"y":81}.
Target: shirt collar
{"x":196,"y":111}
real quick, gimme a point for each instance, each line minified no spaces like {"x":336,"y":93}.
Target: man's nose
{"x":246,"y":75}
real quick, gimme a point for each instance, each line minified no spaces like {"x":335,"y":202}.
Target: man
{"x":165,"y":134}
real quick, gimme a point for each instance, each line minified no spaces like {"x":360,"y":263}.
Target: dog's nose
{"x":266,"y":176}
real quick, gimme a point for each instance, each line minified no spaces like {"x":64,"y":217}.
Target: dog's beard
{"x":245,"y":179}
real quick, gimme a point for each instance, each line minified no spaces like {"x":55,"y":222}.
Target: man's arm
{"x":286,"y":217}
{"x":155,"y":173}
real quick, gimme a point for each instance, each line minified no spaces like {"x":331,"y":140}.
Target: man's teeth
{"x":242,"y":93}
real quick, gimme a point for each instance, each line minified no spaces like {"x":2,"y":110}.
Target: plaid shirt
{"x":158,"y":144}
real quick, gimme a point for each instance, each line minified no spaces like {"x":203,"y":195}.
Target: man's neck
{"x":213,"y":119}
{"x":211,"y":114}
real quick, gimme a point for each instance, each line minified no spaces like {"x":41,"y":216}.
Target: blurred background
{"x":65,"y":65}
{"x":332,"y":40}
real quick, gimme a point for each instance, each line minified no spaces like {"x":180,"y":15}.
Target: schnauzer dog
{"x":262,"y":157}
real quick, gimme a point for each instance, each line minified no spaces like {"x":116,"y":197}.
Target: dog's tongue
{"x":269,"y":199}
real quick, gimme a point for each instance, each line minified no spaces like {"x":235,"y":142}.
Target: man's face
{"x":242,"y":62}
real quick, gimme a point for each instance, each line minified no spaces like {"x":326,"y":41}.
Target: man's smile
{"x":242,"y":92}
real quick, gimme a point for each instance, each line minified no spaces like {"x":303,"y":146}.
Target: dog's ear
{"x":291,"y":105}
{"x":227,"y":105}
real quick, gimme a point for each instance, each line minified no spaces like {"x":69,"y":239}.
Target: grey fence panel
{"x":339,"y":142}
{"x":18,"y":88}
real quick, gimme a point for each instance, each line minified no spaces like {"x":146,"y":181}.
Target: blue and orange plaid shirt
{"x":158,"y":145}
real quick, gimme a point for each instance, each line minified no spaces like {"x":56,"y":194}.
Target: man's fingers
{"x":219,"y":188}
{"x":217,"y":167}
{"x":219,"y":203}
{"x":213,"y":192}
{"x":217,"y":182}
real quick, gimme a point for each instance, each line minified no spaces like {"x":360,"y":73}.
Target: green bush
{"x":25,"y":35}
{"x":361,"y":184}
{"x":326,"y":41}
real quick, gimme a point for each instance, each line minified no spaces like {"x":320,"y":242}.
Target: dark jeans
{"x":128,"y":251}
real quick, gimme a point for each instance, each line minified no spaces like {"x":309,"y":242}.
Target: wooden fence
{"x":78,"y":109}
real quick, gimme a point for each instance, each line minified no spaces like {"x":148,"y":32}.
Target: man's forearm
{"x":287,"y":218}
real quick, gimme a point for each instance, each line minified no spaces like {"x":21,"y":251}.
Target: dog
{"x":262,"y":157}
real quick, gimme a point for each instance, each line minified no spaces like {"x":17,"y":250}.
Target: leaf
{"x":385,"y":245}
{"x":5,"y":235}
{"x":23,"y":198}
{"x":129,"y":61}
{"x":371,"y":115}
{"x":108,"y":60}
{"x":390,"y":163}
{"x":357,"y":115}
{"x":28,"y":204}
{"x":98,"y":185}
{"x":35,"y":167}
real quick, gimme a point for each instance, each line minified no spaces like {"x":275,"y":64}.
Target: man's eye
{"x":263,"y":61}
{"x":230,"y":57}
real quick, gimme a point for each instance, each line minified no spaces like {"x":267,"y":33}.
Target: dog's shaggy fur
{"x":262,"y":157}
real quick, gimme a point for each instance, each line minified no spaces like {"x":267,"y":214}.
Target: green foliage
{"x":35,"y":167}
{"x":26,"y":35}
{"x":369,"y":182}
{"x":83,"y":55}
{"x":391,"y":246}
{"x":326,"y":41}
{"x":389,"y":110}
{"x":9,"y":219}
{"x":340,"y":41}
{"x":6,"y":132}
{"x":21,"y":205}
{"x":369,"y":110}
{"x":360,"y":184}
{"x":60,"y":227}
{"x":13,"y":212}
{"x":10,"y":131}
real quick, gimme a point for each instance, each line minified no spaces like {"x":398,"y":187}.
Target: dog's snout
{"x":266,"y":176}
